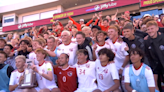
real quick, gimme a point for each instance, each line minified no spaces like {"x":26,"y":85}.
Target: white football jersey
{"x":42,"y":82}
{"x":120,"y":53}
{"x":73,"y":39}
{"x":70,"y":50}
{"x":107,"y":45}
{"x":32,"y":56}
{"x":11,"y":61}
{"x":106,"y":75}
{"x":14,"y":79}
{"x":86,"y":74}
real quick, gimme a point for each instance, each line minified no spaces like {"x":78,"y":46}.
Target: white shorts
{"x":50,"y":88}
{"x":85,"y":90}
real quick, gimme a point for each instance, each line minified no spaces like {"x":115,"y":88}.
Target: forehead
{"x":151,"y":26}
{"x":6,"y":47}
{"x":65,"y":33}
{"x":62,"y":55}
{"x":2,"y":54}
{"x":111,"y":30}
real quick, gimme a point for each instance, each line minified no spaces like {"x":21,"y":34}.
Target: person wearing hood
{"x":83,"y":43}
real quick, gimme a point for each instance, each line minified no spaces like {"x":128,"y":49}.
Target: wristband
{"x":40,"y":73}
{"x":122,"y":68}
{"x":18,"y":83}
{"x":134,"y":90}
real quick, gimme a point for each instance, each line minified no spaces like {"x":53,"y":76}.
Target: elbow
{"x":50,"y":79}
{"x":118,"y":85}
{"x":11,"y":89}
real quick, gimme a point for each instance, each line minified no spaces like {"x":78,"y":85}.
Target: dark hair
{"x":106,"y":20}
{"x":9,"y":45}
{"x":145,"y":21}
{"x":121,"y":19}
{"x":128,"y":26}
{"x":137,"y":51}
{"x":84,"y":51}
{"x":66,"y":55}
{"x":112,"y":23}
{"x":81,"y":33}
{"x":96,"y":26}
{"x":25,"y":41}
{"x":105,"y":34}
{"x":45,"y":33}
{"x":3,"y":40}
{"x":109,"y":53}
{"x":2,"y":52}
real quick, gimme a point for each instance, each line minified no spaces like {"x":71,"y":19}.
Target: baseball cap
{"x":81,"y":19}
{"x":126,"y":12}
{"x":156,"y":16}
{"x":146,"y":15}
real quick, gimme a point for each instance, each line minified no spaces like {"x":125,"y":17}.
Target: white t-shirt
{"x":86,"y":74}
{"x":11,"y":61}
{"x":120,"y":53}
{"x":70,"y":50}
{"x":106,"y":75}
{"x":14,"y":79}
{"x":148,"y":74}
{"x":42,"y":82}
{"x":107,"y":45}
{"x":32,"y":56}
{"x":73,"y":39}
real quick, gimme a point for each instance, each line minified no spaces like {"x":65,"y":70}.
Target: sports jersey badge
{"x":71,"y":49}
{"x":161,"y":47}
{"x":106,"y":71}
{"x":133,"y":46}
{"x":69,"y":73}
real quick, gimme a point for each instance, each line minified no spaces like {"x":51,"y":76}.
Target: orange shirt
{"x":103,"y":28}
{"x":78,"y":25}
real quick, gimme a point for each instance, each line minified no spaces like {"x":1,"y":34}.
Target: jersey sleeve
{"x":114,"y":72}
{"x":49,"y":67}
{"x":123,"y":49}
{"x":126,"y":75}
{"x":149,"y":77}
{"x":12,"y":79}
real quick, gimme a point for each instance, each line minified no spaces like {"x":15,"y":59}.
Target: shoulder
{"x":15,"y":71}
{"x":73,"y":68}
{"x":147,"y":67}
{"x":48,"y":63}
{"x":127,"y":67}
{"x":92,"y":62}
{"x":112,"y":63}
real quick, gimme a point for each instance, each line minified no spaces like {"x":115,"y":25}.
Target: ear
{"x":141,"y":57}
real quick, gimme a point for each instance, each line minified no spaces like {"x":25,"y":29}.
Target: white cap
{"x":156,"y":16}
{"x":81,"y":19}
{"x":146,"y":15}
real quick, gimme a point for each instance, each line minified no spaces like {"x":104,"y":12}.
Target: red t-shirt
{"x":66,"y":79}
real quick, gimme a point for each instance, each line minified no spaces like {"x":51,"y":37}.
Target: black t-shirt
{"x":23,"y":53}
{"x":137,"y":42}
{"x":1,"y":49}
{"x":140,"y":33}
{"x":9,"y":69}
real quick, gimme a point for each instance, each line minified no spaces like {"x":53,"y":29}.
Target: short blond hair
{"x":21,"y":57}
{"x":150,"y":23}
{"x":86,"y":27}
{"x":66,"y":31}
{"x":41,"y":51}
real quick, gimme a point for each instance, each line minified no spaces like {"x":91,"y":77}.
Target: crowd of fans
{"x":103,"y":55}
